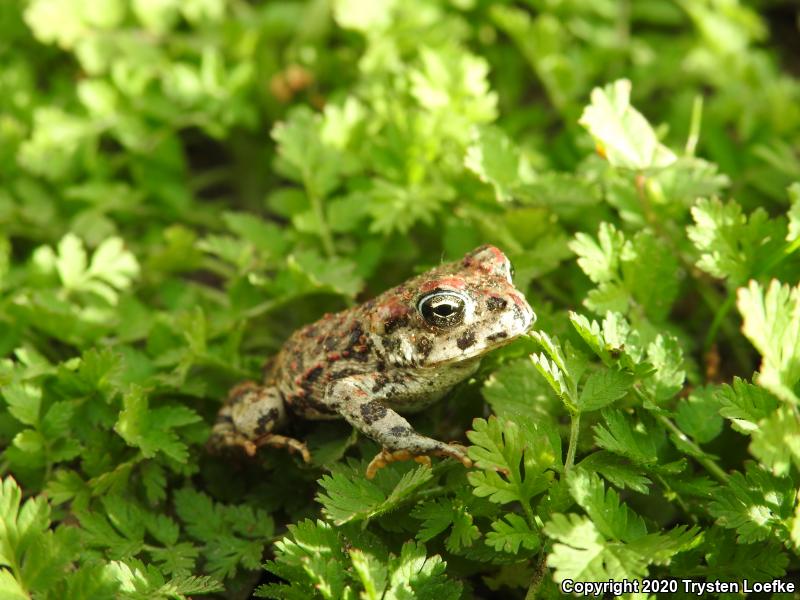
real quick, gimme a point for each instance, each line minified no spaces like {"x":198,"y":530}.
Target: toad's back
{"x":334,"y":347}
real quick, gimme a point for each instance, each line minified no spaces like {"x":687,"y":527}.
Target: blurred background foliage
{"x":185,"y":182}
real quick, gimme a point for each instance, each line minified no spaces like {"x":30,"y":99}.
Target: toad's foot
{"x":277,"y":441}
{"x":384,"y":457}
{"x":251,"y":447}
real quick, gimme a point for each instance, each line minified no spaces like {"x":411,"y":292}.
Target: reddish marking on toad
{"x":453,"y":283}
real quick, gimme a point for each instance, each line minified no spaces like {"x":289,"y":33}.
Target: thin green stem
{"x":574,"y":430}
{"x":697,"y":452}
{"x":779,"y":258}
{"x":319,"y":214}
{"x":694,"y":126}
{"x":709,"y":465}
{"x":529,"y":516}
{"x":719,"y":316}
{"x":265,"y":307}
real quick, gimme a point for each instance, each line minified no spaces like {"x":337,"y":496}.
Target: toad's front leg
{"x":360,"y":399}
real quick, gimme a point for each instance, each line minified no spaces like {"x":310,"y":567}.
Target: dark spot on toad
{"x":391,"y":345}
{"x":496,"y":336}
{"x":342,"y":373}
{"x":373,"y":411}
{"x":355,"y":336}
{"x":424,"y":346}
{"x":381,"y":381}
{"x":265,"y":420}
{"x":495,"y":303}
{"x":400,"y":431}
{"x":391,"y":324}
{"x":306,"y":381}
{"x":518,"y":313}
{"x":466,"y":340}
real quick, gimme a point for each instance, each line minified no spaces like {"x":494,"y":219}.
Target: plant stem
{"x":698,"y":453}
{"x":319,"y":213}
{"x":574,"y":429}
{"x":694,"y":126}
{"x":538,"y":575}
{"x":709,"y":465}
{"x":719,"y":316}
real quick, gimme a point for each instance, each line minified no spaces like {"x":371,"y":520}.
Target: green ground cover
{"x":183,"y":183}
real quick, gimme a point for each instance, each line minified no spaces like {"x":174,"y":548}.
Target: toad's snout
{"x":523,"y":313}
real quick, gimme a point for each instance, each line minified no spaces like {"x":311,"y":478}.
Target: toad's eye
{"x":511,"y":270}
{"x":442,"y":309}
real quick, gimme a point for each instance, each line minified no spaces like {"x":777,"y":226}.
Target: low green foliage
{"x":183,"y":184}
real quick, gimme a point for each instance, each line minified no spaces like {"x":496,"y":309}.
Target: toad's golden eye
{"x":442,"y":309}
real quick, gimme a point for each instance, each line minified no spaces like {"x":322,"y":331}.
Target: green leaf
{"x":772,"y":324}
{"x":511,"y":532}
{"x":650,"y":272}
{"x":744,"y":404}
{"x":513,"y":465}
{"x":312,"y":559}
{"x":581,"y":554}
{"x":515,"y":392}
{"x":367,"y":17}
{"x":302,"y":154}
{"x":233,"y":536}
{"x":600,"y":259}
{"x":776,"y":441}
{"x":611,"y":517}
{"x":732,"y":245}
{"x":624,"y":136}
{"x":118,"y":529}
{"x":757,"y":505}
{"x":620,"y":436}
{"x":562,"y":370}
{"x":138,"y":581}
{"x":616,"y":470}
{"x":592,"y":334}
{"x":37,"y":556}
{"x":337,"y":275}
{"x":439,"y":516}
{"x":698,"y":415}
{"x":396,"y":208}
{"x":604,"y":387}
{"x":493,"y":157}
{"x":415,"y":575}
{"x":152,"y":429}
{"x":24,"y":402}
{"x":614,"y":544}
{"x":112,"y":268}
{"x":666,"y":356}
{"x":436,"y":517}
{"x":265,"y":236}
{"x":349,"y":496}
{"x":729,"y":560}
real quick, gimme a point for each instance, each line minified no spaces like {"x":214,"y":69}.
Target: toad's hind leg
{"x":249,"y":417}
